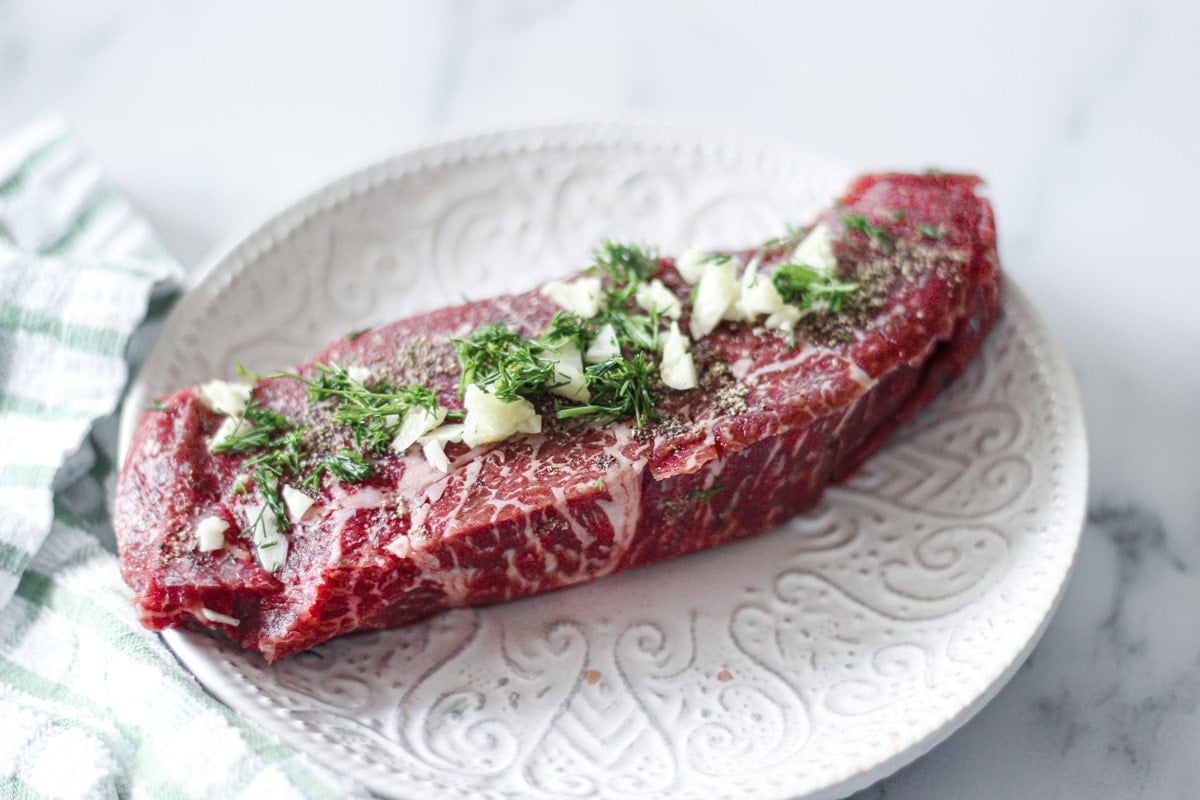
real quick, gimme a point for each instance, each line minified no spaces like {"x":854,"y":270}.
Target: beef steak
{"x":774,"y":420}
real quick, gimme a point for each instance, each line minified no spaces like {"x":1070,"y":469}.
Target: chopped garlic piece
{"x":691,"y":264}
{"x":213,"y":616}
{"x":678,"y":369}
{"x":224,"y":397}
{"x":433,"y":445}
{"x":715,"y":293}
{"x":417,"y":422}
{"x":816,"y":250}
{"x":210,"y":534}
{"x":490,"y":419}
{"x":758,"y":294}
{"x":229,"y":428}
{"x":655,"y":296}
{"x":581,"y":296}
{"x":359,"y":374}
{"x":784,"y":319}
{"x":435,"y":454}
{"x":270,"y":546}
{"x":604,"y":346}
{"x":568,"y":370}
{"x":444,"y":434}
{"x":297,"y":502}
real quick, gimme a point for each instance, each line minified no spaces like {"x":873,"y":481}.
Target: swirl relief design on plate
{"x":801,"y":662}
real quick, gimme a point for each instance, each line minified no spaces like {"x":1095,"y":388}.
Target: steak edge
{"x":772,"y":423}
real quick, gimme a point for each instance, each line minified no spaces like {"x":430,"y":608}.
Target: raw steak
{"x":773,"y":422}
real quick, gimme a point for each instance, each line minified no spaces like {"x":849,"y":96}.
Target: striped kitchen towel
{"x":91,"y":704}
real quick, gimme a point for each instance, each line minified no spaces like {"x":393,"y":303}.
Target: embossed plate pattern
{"x":810,"y":661}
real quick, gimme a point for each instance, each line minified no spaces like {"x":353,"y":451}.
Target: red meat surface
{"x":773,"y":423}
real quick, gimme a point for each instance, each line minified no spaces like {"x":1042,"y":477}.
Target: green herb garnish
{"x":348,"y":466}
{"x":803,"y":286}
{"x":625,"y":267}
{"x":501,"y":359}
{"x":929,"y":231}
{"x":261,"y":426}
{"x":620,"y":387}
{"x":156,"y":405}
{"x":704,"y":495}
{"x":373,"y":412}
{"x":859,"y":223}
{"x":788,"y":240}
{"x":280,"y":449}
{"x":514,"y":366}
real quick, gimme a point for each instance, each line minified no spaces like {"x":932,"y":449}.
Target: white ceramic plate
{"x":810,"y":661}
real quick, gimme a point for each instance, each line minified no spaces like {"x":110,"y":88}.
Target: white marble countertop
{"x":1083,"y":117}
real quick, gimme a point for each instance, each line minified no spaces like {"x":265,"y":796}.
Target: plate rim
{"x":254,"y":240}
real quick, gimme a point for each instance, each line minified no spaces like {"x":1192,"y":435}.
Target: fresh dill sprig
{"x":348,"y":466}
{"x":567,"y":327}
{"x":257,"y":427}
{"x":373,"y":410}
{"x":857,"y":222}
{"x":620,"y":387}
{"x":802,"y":286}
{"x":279,"y":446}
{"x":625,"y":267}
{"x":787,"y":241}
{"x":499,"y":358}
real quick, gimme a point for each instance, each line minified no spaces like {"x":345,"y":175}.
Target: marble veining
{"x":1083,"y":116}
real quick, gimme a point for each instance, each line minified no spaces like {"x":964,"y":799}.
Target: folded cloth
{"x":91,"y":704}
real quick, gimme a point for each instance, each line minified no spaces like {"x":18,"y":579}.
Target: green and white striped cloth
{"x":91,"y":704}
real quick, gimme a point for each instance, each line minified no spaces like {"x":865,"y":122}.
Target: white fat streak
{"x":860,"y":376}
{"x":741,"y":367}
{"x":213,"y":616}
{"x":697,"y":456}
{"x":457,"y":583}
{"x":799,"y":357}
{"x":470,"y":474}
{"x":359,"y":497}
{"x":624,"y":484}
{"x":426,"y":484}
{"x":856,"y":373}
